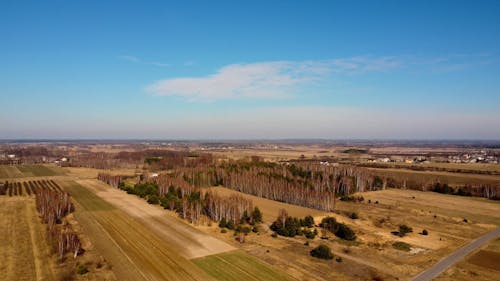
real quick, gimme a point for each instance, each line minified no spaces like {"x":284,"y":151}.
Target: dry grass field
{"x":21,"y":171}
{"x":25,"y":251}
{"x":237,"y":265}
{"x":143,"y":241}
{"x":138,"y":241}
{"x":90,"y":173}
{"x":135,"y":252}
{"x":482,"y":265}
{"x":451,"y":178}
{"x":373,"y":255}
{"x":23,"y":246}
{"x":183,"y":238}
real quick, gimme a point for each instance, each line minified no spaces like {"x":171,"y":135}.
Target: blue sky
{"x":254,"y":69}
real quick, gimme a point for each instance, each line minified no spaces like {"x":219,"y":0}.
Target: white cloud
{"x":265,"y":79}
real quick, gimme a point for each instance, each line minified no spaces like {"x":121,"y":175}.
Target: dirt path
{"x":187,"y":240}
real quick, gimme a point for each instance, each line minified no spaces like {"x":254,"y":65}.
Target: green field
{"x":21,"y":171}
{"x":134,"y":252}
{"x":237,"y":265}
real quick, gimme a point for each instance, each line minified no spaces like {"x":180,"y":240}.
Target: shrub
{"x":339,"y":229}
{"x":322,"y":252}
{"x":402,"y":246}
{"x":310,"y":234}
{"x":256,"y":215}
{"x":354,"y":216}
{"x":307,"y":243}
{"x":338,"y":259}
{"x":425,"y":232}
{"x":223,"y":223}
{"x":153,"y":199}
{"x":404,"y":229}
{"x":345,"y":232}
{"x":223,"y":230}
{"x":243,"y":229}
{"x":308,"y":221}
{"x":81,"y":269}
{"x":274,"y":235}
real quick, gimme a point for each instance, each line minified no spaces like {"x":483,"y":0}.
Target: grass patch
{"x":237,"y":265}
{"x":37,"y":170}
{"x":402,"y":246}
{"x":9,"y":172}
{"x":87,"y":199}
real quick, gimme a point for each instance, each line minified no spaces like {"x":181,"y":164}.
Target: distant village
{"x":467,"y":157}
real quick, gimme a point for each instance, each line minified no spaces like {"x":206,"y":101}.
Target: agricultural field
{"x":372,"y":254}
{"x":142,"y":240}
{"x":481,"y":265}
{"x":125,"y":238}
{"x":451,"y":178}
{"x":27,"y":253}
{"x":21,"y":171}
{"x":23,"y":247}
{"x":237,"y":265}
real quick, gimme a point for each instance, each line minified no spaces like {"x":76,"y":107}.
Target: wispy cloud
{"x":275,"y":79}
{"x":141,"y":61}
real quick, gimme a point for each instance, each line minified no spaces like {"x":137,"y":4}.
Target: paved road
{"x":441,"y":266}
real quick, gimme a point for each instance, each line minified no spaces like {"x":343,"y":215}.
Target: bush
{"x":274,"y":235}
{"x":310,"y":234}
{"x":322,"y":252}
{"x":223,"y":223}
{"x":404,"y":229}
{"x":338,"y":259}
{"x":345,"y":232}
{"x":339,"y":229}
{"x":223,"y":230}
{"x":153,"y":199}
{"x":425,"y":232}
{"x":243,"y":229}
{"x":81,"y":269}
{"x":402,"y":246}
{"x":308,"y":221}
{"x":354,"y":216}
{"x":256,"y":216}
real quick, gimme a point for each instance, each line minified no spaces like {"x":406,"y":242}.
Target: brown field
{"x":91,"y":173}
{"x":26,"y":254}
{"x":134,"y":251}
{"x":482,"y":265}
{"x":21,"y":171}
{"x":453,"y":166}
{"x":184,"y":239}
{"x":488,"y":259}
{"x":142,"y":241}
{"x":452,"y":178}
{"x":138,"y":241}
{"x":373,"y":254}
{"x":23,"y":245}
